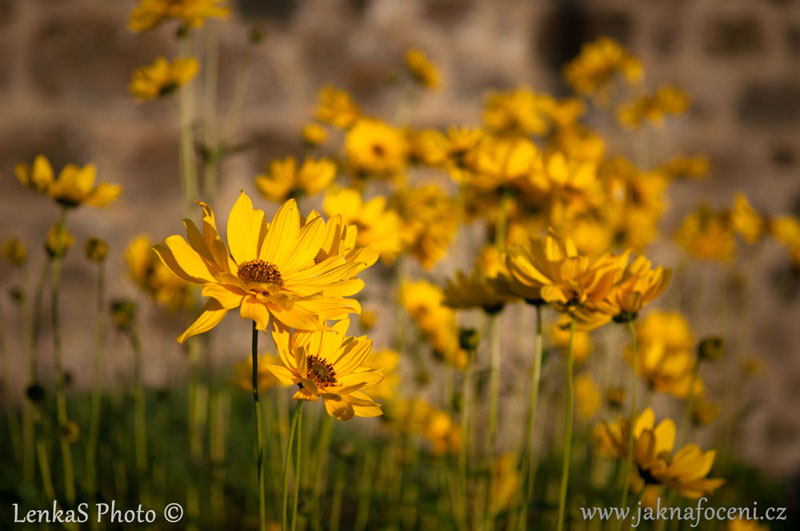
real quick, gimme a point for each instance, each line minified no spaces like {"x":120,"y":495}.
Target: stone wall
{"x":64,"y":66}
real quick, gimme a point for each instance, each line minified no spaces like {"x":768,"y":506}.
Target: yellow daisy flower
{"x":314,"y":134}
{"x":593,"y":72}
{"x":376,"y":148}
{"x":745,"y":220}
{"x":149,"y":14}
{"x":286,"y":180}
{"x":328,"y":364}
{"x":424,"y":72}
{"x":424,"y":302}
{"x":519,"y":112}
{"x":266,"y":269}
{"x":653,"y":108}
{"x":336,"y":107}
{"x":162,"y":77}
{"x":74,"y":186}
{"x":154,"y":278}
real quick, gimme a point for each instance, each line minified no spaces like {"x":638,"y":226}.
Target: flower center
{"x":320,"y":371}
{"x":259,"y":271}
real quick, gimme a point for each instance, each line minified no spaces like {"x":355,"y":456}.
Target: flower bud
{"x":615,"y":396}
{"x":123,"y":313}
{"x":59,"y":240}
{"x":95,"y":250}
{"x":13,"y":251}
{"x":469,"y":339}
{"x":710,"y":348}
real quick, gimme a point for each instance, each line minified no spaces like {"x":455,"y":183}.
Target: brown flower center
{"x":259,"y":271}
{"x":320,"y":371}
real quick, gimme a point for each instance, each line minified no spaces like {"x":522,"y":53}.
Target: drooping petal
{"x":212,"y":314}
{"x":255,"y":311}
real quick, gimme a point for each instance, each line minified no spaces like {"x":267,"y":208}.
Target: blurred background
{"x":65,"y":65}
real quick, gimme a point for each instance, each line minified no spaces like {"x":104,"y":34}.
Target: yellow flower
{"x":328,"y":364}
{"x":566,"y":113}
{"x":681,"y":167}
{"x":454,"y":151}
{"x":475,"y":290}
{"x":74,"y":186}
{"x":570,"y":186}
{"x":592,"y":73}
{"x":192,"y":13}
{"x":265,"y":270}
{"x":13,"y":251}
{"x":746,"y":525}
{"x":425,"y":304}
{"x":704,"y":412}
{"x":670,"y":328}
{"x":59,"y":240}
{"x":638,"y":286}
{"x":154,"y":278}
{"x":424,"y":72}
{"x":666,"y":371}
{"x":684,"y":471}
{"x":420,"y":418}
{"x":378,"y":226}
{"x":707,"y":235}
{"x":503,"y":163}
{"x":385,"y":361}
{"x":162,"y":77}
{"x":243,"y":373}
{"x":572,"y":283}
{"x":367,"y":320}
{"x":506,"y":480}
{"x":519,"y":112}
{"x":653,"y":107}
{"x":95,"y":250}
{"x":430,"y":220}
{"x":786,"y":229}
{"x":587,"y":395}
{"x":375,"y":148}
{"x":286,"y":180}
{"x":314,"y":134}
{"x":336,"y":107}
{"x":745,"y":221}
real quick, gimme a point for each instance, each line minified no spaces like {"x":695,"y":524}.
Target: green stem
{"x":262,"y":499}
{"x":187,"y":153}
{"x":687,"y":415}
{"x":494,"y":402}
{"x":338,"y":494}
{"x":94,"y":423}
{"x":139,"y":418}
{"x":562,"y":497}
{"x":286,"y":463}
{"x":31,"y":315}
{"x":61,"y":398}
{"x":529,"y":468}
{"x":628,"y":468}
{"x":297,"y":463}
{"x":463,"y":451}
{"x":211,"y":165}
{"x":365,"y":490}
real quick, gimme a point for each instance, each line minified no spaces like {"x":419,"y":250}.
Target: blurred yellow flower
{"x":570,"y":187}
{"x":314,"y":134}
{"x":506,"y":480}
{"x":243,"y":373}
{"x":587,"y":395}
{"x":367,"y":320}
{"x":707,"y":235}
{"x":453,"y":151}
{"x":149,"y":14}
{"x":154,"y":278}
{"x":59,"y":240}
{"x":593,"y":72}
{"x":162,"y":77}
{"x":285,"y":180}
{"x":95,"y":250}
{"x":682,"y":167}
{"x":424,"y":302}
{"x":374,"y":148}
{"x":639,"y":285}
{"x":653,"y":108}
{"x":13,"y":251}
{"x":704,"y":412}
{"x":475,"y":290}
{"x":745,"y":221}
{"x":559,"y":334}
{"x":665,"y":370}
{"x":786,"y":229}
{"x":336,"y":107}
{"x":420,"y":418}
{"x":266,"y":270}
{"x":520,"y":112}
{"x":423,"y":71}
{"x":74,"y":186}
{"x":385,"y":361}
{"x":684,"y":471}
{"x":327,"y":364}
{"x":429,"y":222}
{"x":378,"y":226}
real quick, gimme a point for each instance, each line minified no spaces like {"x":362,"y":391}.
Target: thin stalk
{"x":94,"y":423}
{"x":262,"y":499}
{"x":187,"y":153}
{"x":494,"y":403}
{"x":365,"y":490}
{"x":687,"y":415}
{"x":61,"y":398}
{"x":463,"y":451}
{"x":44,"y":468}
{"x":338,"y":494}
{"x":529,"y":466}
{"x":211,"y":165}
{"x":297,"y":464}
{"x":562,"y":497}
{"x":626,"y":470}
{"x":139,"y":418}
{"x":286,"y":464}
